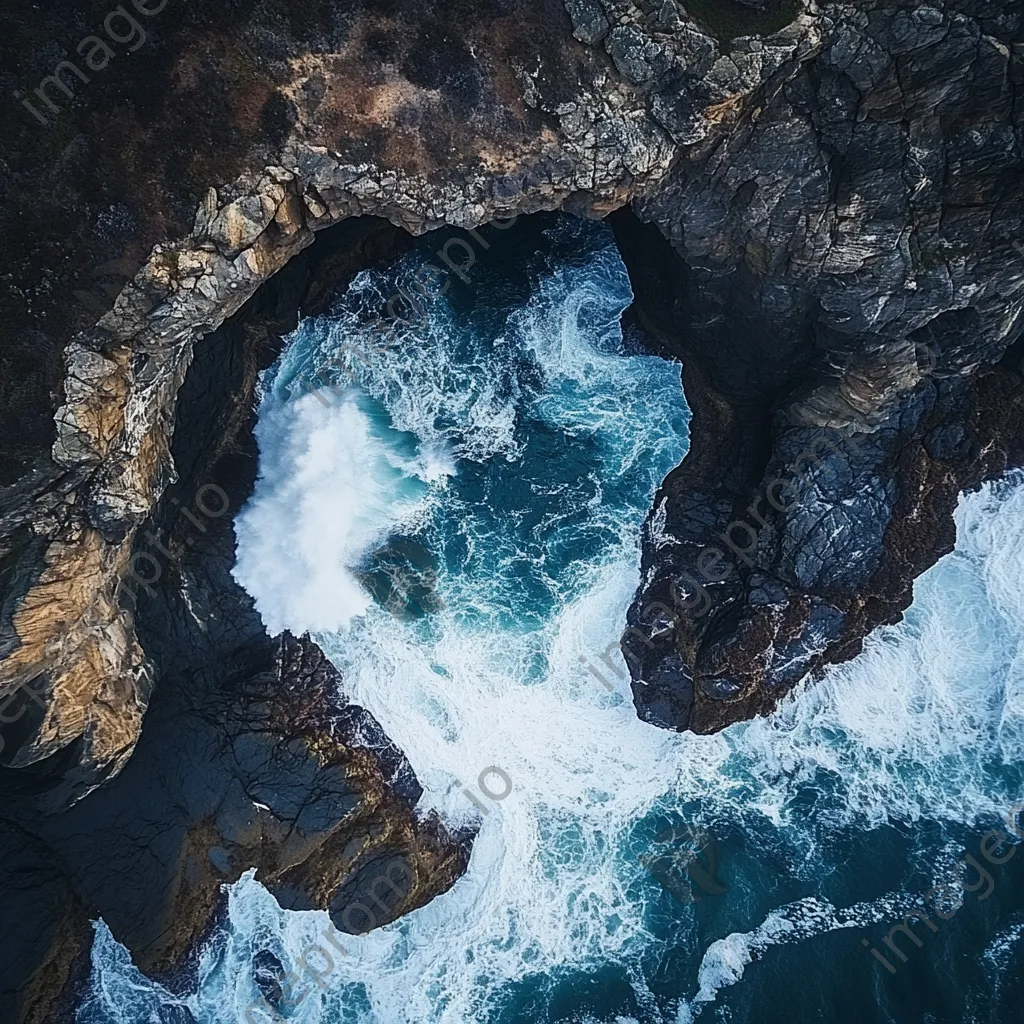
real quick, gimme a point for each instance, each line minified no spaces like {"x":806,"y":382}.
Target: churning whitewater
{"x":457,"y":521}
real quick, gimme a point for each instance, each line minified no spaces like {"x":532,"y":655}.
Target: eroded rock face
{"x":247,"y":757}
{"x":844,"y":280}
{"x":825,"y":202}
{"x":510,"y":116}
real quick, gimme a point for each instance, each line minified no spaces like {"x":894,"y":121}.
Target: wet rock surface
{"x":820,"y":208}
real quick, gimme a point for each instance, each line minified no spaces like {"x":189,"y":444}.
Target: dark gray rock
{"x":589,"y":24}
{"x":633,"y":52}
{"x":838,"y":277}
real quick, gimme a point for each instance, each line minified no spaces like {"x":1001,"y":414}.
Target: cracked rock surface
{"x":843,"y":279}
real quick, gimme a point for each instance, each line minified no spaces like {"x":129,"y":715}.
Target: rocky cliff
{"x":842,"y":276}
{"x":246,"y":757}
{"x":818,"y":207}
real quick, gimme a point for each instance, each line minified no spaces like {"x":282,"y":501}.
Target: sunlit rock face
{"x":247,"y":757}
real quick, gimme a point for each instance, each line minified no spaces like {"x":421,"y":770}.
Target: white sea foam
{"x":725,"y":960}
{"x":330,"y":487}
{"x":1002,"y":949}
{"x":915,"y":725}
{"x":911,"y":729}
{"x":463,"y":407}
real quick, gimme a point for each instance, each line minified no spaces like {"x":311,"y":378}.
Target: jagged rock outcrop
{"x":834,"y":274}
{"x":247,"y":757}
{"x":822,"y":195}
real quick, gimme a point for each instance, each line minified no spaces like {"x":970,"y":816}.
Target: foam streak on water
{"x":521,"y":446}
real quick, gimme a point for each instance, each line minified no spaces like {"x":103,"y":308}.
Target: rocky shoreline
{"x":800,"y":213}
{"x":866,"y":212}
{"x":246,"y":758}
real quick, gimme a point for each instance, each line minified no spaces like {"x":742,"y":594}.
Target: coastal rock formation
{"x":843,"y":279}
{"x":817,"y":206}
{"x":538,"y":142}
{"x":247,"y":757}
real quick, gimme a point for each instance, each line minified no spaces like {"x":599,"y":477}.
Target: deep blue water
{"x":457,"y":521}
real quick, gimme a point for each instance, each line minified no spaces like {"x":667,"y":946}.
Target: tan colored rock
{"x":289,"y":216}
{"x":241,"y":222}
{"x":78,"y":648}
